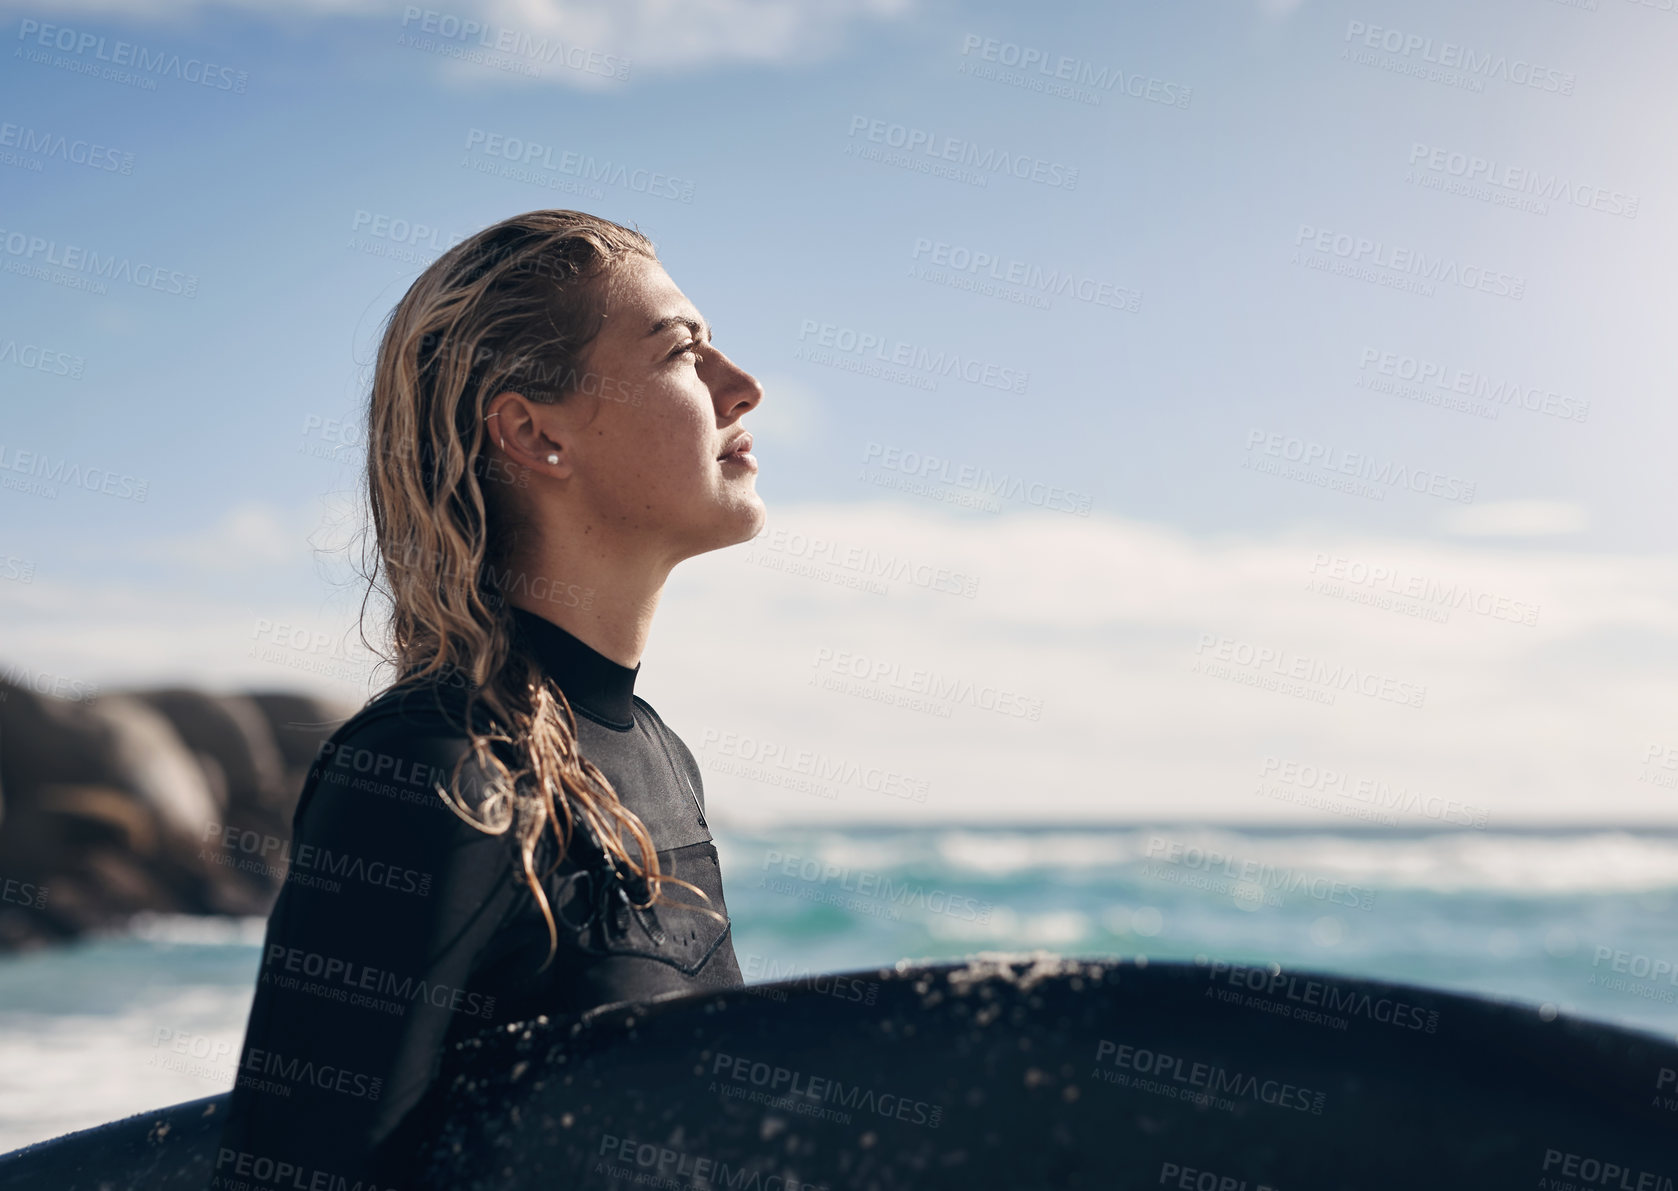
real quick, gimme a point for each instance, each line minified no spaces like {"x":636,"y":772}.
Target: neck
{"x":605,"y":600}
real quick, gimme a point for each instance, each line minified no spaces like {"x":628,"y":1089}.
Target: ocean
{"x":1583,"y":920}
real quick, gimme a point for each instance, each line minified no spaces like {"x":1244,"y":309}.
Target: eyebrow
{"x":681,"y":320}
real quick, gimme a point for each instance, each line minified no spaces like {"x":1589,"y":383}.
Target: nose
{"x":732,"y":388}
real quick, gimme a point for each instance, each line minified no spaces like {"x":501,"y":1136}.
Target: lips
{"x":741,"y":445}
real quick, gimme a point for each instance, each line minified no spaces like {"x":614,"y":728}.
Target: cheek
{"x":691,"y":434}
{"x":669,"y":447}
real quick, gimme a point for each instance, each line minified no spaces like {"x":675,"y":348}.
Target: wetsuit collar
{"x":592,"y":681}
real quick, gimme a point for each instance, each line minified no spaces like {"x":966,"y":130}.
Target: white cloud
{"x":1104,"y":620}
{"x":249,"y":535}
{"x":1517,"y":519}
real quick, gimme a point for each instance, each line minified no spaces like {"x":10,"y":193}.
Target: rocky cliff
{"x":118,"y":803}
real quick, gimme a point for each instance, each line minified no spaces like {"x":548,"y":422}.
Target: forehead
{"x":638,"y":294}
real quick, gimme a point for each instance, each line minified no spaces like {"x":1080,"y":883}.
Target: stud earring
{"x":553,"y":458}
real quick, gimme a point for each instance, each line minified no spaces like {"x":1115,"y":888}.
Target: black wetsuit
{"x":401,"y":928}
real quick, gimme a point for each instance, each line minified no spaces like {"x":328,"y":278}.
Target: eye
{"x":688,"y":349}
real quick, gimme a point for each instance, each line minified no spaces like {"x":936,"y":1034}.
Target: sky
{"x":1245,"y":410}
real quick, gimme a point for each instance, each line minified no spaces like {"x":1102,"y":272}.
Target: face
{"x":641,"y":443}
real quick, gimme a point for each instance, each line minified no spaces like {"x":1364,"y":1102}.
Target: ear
{"x":529,"y":434}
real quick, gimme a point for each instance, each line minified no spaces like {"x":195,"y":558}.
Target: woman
{"x":508,"y":831}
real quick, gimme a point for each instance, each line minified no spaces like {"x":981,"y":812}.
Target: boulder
{"x":112,"y":802}
{"x":298,"y":725}
{"x":233,"y":740}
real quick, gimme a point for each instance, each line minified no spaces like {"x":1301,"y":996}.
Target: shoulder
{"x":400,"y":747}
{"x":663,"y":729}
{"x":652,"y":714}
{"x":431,"y":715}
{"x":677,"y":746}
{"x":434,"y":705}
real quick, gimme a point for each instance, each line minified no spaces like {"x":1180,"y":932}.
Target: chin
{"x":739,"y":520}
{"x":750,"y":518}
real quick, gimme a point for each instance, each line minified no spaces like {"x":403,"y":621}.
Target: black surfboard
{"x":1008,"y":1072}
